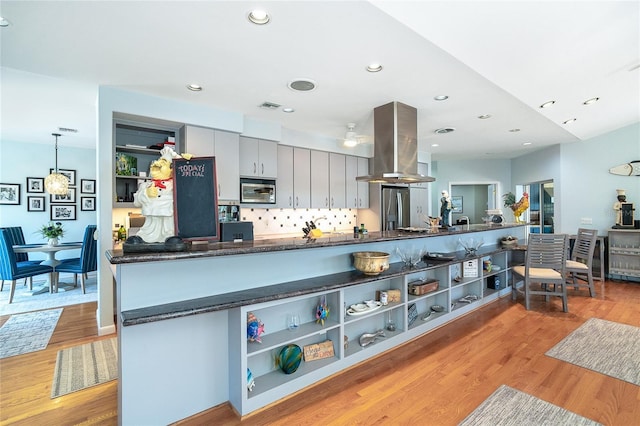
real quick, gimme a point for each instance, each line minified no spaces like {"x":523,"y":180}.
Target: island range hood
{"x":395,"y":150}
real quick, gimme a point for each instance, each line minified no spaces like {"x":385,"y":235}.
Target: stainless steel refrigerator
{"x":396,"y":208}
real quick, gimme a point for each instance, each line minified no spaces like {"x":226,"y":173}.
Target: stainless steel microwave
{"x":257,"y":191}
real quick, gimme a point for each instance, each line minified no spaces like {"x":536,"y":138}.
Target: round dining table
{"x":51,"y":260}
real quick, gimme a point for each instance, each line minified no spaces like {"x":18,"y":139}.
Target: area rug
{"x":24,"y":333}
{"x":23,"y":301}
{"x":507,"y":406}
{"x":83,"y":366}
{"x":603,"y":346}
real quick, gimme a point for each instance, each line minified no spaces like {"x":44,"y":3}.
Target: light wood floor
{"x":435,"y":380}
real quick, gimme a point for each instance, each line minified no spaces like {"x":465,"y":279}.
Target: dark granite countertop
{"x":205,"y":249}
{"x":285,"y":290}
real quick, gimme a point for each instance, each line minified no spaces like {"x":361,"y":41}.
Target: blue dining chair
{"x":87,"y":262}
{"x":17,"y":237}
{"x":11,"y":269}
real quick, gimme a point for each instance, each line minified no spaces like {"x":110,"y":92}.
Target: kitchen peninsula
{"x":182,"y":316}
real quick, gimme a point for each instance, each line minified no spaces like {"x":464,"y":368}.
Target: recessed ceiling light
{"x":435,"y":144}
{"x":484,"y":116}
{"x":288,"y":110}
{"x":302,"y":85}
{"x":547,"y":104}
{"x":4,"y":22}
{"x":591,"y":101}
{"x":441,"y":97}
{"x":514,"y":130}
{"x":194,"y":87}
{"x":258,"y":17}
{"x":569,"y":121}
{"x":445,"y":130}
{"x":374,"y":67}
{"x":526,"y":143}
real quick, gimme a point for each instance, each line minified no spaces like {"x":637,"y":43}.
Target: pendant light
{"x":56,"y":183}
{"x":351,"y":138}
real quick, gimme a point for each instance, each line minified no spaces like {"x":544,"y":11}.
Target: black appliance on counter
{"x":232,"y":231}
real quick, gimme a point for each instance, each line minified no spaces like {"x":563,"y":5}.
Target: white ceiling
{"x":490,"y":57}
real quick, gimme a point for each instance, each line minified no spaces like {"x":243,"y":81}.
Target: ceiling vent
{"x":302,"y":85}
{"x":445,"y":130}
{"x":269,"y":105}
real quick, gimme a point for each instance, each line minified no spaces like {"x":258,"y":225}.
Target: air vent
{"x":67,"y":130}
{"x":445,"y":130}
{"x":302,"y":85}
{"x":269,"y":105}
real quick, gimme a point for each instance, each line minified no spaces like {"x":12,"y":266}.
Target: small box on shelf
{"x":493,"y":282}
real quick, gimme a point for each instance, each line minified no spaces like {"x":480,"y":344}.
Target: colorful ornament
{"x":289,"y":358}
{"x":255,"y":328}
{"x":322,"y":312}
{"x":250,"y":382}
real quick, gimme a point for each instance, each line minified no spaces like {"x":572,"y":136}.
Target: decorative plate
{"x":353,"y":312}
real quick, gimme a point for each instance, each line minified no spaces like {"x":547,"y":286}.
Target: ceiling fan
{"x":351,"y":138}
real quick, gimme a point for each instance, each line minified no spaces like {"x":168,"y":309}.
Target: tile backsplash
{"x":291,"y":221}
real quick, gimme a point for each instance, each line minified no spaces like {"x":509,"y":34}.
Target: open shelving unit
{"x":344,"y":330}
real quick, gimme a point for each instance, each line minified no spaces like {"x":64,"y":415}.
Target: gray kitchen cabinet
{"x":363,"y":187}
{"x":258,"y":158}
{"x":294,"y":177}
{"x":419,"y":206}
{"x":319,"y":179}
{"x":206,"y":142}
{"x":351,"y":166}
{"x":337,"y":181}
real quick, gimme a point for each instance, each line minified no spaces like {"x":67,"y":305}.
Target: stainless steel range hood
{"x":395,"y":150}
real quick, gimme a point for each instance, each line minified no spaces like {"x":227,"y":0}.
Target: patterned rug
{"x":23,"y":301}
{"x":24,"y":333}
{"x":510,"y":407}
{"x":83,"y":366}
{"x":603,"y":346}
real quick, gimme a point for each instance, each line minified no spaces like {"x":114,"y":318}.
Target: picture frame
{"x":63,"y":212}
{"x":456,"y":204}
{"x":69,"y":197}
{"x":10,"y":194}
{"x":70,"y":174}
{"x":87,"y":204}
{"x":35,"y":185}
{"x":87,"y":186}
{"x":35,"y":204}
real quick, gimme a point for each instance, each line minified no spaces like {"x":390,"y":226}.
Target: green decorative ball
{"x":289,"y":358}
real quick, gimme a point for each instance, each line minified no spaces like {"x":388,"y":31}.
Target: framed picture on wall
{"x":87,"y":186}
{"x":70,"y":174}
{"x":35,"y":204}
{"x":35,"y":185}
{"x":63,"y":212}
{"x":456,"y":204}
{"x":87,"y":204}
{"x":10,"y":194}
{"x":69,"y":197}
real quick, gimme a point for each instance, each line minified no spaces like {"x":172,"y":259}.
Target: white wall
{"x":21,"y":160}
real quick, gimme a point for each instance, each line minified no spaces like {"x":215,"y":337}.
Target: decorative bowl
{"x":509,"y":241}
{"x":371,"y":262}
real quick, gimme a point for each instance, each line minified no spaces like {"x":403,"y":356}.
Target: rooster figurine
{"x":519,"y":207}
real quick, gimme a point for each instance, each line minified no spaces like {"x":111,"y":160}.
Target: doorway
{"x":472,"y":200}
{"x":541,"y":210}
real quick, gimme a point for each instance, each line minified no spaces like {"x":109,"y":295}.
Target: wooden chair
{"x":87,"y":262}
{"x":545,"y":265}
{"x":11,"y":269}
{"x":579,"y":267}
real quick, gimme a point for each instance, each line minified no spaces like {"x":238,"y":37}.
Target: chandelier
{"x":56,"y":183}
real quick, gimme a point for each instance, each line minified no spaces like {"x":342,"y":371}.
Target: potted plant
{"x":52,"y":231}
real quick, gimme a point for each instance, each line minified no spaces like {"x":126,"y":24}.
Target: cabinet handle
{"x":218,"y":190}
{"x":326,"y":201}
{"x":360,"y":202}
{"x":297,"y":201}
{"x":290,"y":200}
{"x":331,"y":201}
{"x":262,"y":172}
{"x":255,"y":168}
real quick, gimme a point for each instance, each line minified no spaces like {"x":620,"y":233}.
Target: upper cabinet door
{"x":301,"y":178}
{"x":258,"y":158}
{"x":363,"y":187}
{"x":284,"y":189}
{"x":320,"y":180}
{"x":351,"y":172}
{"x":199,"y":141}
{"x":337,"y":181}
{"x":227,"y":153}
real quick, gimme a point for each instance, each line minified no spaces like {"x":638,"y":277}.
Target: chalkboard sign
{"x":195,"y":200}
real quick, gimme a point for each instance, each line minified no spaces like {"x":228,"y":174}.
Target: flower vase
{"x":53,"y":241}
